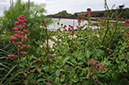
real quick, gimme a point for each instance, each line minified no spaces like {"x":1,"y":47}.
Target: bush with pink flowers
{"x":78,"y":57}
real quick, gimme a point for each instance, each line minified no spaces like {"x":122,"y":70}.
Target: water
{"x":73,"y":22}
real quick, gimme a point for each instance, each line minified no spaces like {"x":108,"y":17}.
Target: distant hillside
{"x":124,"y":15}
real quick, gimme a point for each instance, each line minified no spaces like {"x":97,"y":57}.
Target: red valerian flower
{"x":64,"y":26}
{"x":126,"y":22}
{"x":79,"y":19}
{"x":43,"y":22}
{"x":24,"y":53}
{"x":82,"y":15}
{"x":69,"y":29}
{"x":89,"y":73}
{"x":122,"y":31}
{"x":9,"y":55}
{"x":125,"y":55}
{"x":105,"y":14}
{"x":15,"y":28}
{"x":88,"y":9}
{"x":16,"y":22}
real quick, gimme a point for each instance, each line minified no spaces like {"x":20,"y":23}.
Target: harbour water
{"x":73,"y":22}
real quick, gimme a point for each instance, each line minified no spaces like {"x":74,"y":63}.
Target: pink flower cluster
{"x":24,"y":53}
{"x":125,"y":55}
{"x":13,"y":38}
{"x":79,"y":19}
{"x":64,"y":26}
{"x":126,"y":22}
{"x":127,"y":34}
{"x":105,"y":14}
{"x":18,"y":29}
{"x":49,"y":83}
{"x":82,"y":15}
{"x":12,"y":55}
{"x":43,"y":23}
{"x":88,"y":9}
{"x":96,"y":68}
{"x":70,"y":28}
{"x":19,"y":33}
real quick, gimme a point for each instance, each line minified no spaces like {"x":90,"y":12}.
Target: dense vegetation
{"x":83,"y":57}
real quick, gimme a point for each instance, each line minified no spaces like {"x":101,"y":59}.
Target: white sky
{"x":71,"y":6}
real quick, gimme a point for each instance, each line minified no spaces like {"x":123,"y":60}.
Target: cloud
{"x":3,"y":2}
{"x":72,"y":6}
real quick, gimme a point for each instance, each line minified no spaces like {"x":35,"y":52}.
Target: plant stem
{"x":106,"y":31}
{"x":47,"y":40}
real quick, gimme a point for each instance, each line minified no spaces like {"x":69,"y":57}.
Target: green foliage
{"x":72,"y":55}
{"x":90,"y":57}
{"x":33,"y":17}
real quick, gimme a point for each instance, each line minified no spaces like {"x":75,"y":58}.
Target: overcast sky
{"x":72,"y":6}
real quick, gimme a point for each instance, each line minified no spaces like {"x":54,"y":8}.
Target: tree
{"x":34,"y":15}
{"x":32,"y":12}
{"x":28,"y":6}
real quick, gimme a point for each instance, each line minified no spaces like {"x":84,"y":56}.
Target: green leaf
{"x":70,"y":63}
{"x":39,"y":70}
{"x":46,"y":68}
{"x":75,"y":78}
{"x":41,"y":33}
{"x":8,"y":73}
{"x":43,"y":53}
{"x":87,"y":53}
{"x":100,"y":83}
{"x":58,"y":73}
{"x":4,"y":66}
{"x":85,"y":82}
{"x":73,"y":60}
{"x":54,"y":40}
{"x":62,"y":78}
{"x":79,"y":57}
{"x":25,"y":74}
{"x":87,"y":76}
{"x":11,"y":78}
{"x":66,"y":67}
{"x":41,"y":80}
{"x":33,"y":81}
{"x":57,"y":80}
{"x":117,"y":61}
{"x":26,"y":82}
{"x":30,"y":57}
{"x":101,"y":75}
{"x":65,"y":60}
{"x":58,"y":23}
{"x":81,"y":62}
{"x":125,"y":69}
{"x":30,"y":76}
{"x":108,"y":62}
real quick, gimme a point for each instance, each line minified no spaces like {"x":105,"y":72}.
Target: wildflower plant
{"x":90,"y":56}
{"x":20,"y":34}
{"x":84,"y":56}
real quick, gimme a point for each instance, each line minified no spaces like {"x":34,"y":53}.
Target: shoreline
{"x":74,"y":17}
